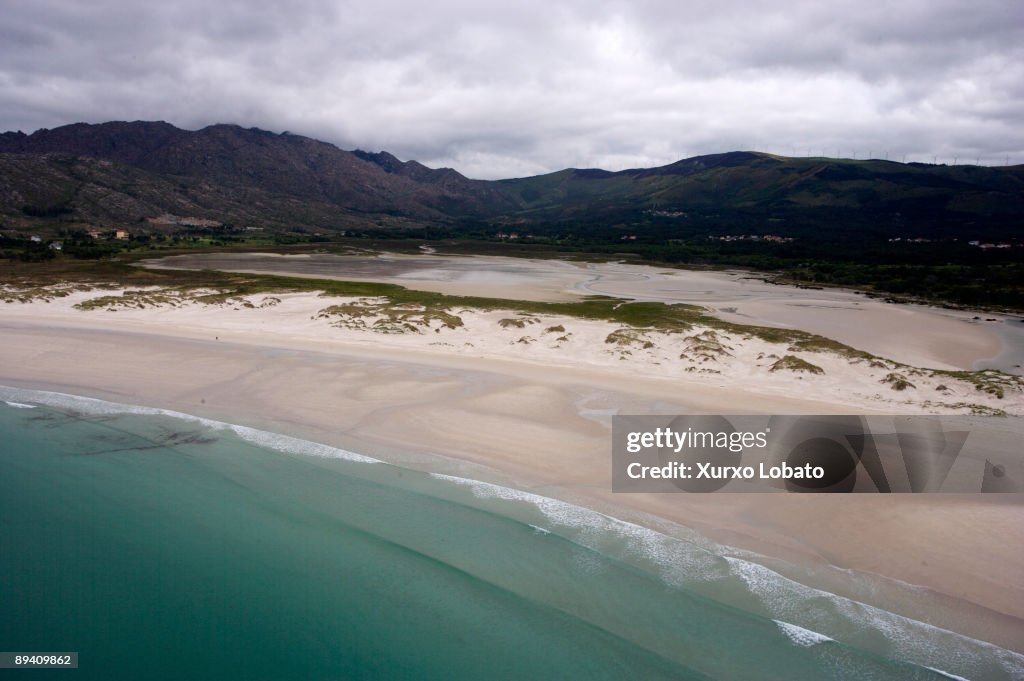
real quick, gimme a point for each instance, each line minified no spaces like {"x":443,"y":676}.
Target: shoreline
{"x":787,"y":562}
{"x":653,"y":548}
{"x":532,"y":426}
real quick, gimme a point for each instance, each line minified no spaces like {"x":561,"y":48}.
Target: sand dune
{"x":913,"y":334}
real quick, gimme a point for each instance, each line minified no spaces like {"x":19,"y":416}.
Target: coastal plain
{"x":525,"y":399}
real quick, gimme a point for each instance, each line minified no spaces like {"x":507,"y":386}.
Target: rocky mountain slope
{"x":120,"y":173}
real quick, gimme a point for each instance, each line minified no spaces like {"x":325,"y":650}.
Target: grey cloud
{"x":518,"y":88}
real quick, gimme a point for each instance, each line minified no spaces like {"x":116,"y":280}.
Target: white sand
{"x":703,"y":358}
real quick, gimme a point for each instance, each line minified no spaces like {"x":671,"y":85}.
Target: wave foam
{"x":678,"y":561}
{"x":261,"y":438}
{"x":947,"y":674}
{"x":19,"y":405}
{"x":908,"y":638}
{"x":805,"y":638}
{"x":684,"y":564}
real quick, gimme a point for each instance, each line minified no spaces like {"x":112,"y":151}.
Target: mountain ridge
{"x":118,"y":172}
{"x":278,"y":164}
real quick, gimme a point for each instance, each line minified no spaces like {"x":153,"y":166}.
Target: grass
{"x":707,"y":346}
{"x":988,"y":381}
{"x":628,"y":337}
{"x":897,"y":381}
{"x":517,"y":323}
{"x":382,"y":316}
{"x":32,"y":293}
{"x":812,"y":343}
{"x":793,"y":363}
{"x":134,"y":299}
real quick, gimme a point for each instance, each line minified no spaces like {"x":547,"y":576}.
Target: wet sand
{"x":913,"y":334}
{"x":512,"y":278}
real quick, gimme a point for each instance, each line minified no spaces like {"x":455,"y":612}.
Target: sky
{"x":524,"y":87}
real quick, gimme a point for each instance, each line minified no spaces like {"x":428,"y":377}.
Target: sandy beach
{"x":914,"y":334}
{"x":515,"y":405}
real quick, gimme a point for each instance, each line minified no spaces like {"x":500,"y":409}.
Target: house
{"x":56,"y":246}
{"x":121,"y":234}
{"x":37,"y":239}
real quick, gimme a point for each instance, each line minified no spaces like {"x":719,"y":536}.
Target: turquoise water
{"x":161,"y":546}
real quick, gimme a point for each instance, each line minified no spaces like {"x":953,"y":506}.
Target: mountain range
{"x":121,"y":173}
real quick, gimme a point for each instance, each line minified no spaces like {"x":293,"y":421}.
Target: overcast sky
{"x":526,"y":86}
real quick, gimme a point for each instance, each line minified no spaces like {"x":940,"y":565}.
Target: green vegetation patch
{"x":28,"y":294}
{"x":625,"y":338}
{"x":137,"y":300}
{"x":897,"y":381}
{"x":705,"y":346}
{"x":812,"y":343}
{"x":794,"y":363}
{"x":517,"y":323}
{"x":989,"y":381}
{"x":384,"y":316}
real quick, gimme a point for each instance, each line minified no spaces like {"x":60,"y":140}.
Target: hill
{"x":222,"y":172}
{"x":741,"y":192}
{"x":121,"y":173}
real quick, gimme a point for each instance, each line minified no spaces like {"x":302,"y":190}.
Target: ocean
{"x":160,"y":545}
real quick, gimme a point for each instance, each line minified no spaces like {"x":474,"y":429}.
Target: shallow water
{"x":159,"y":545}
